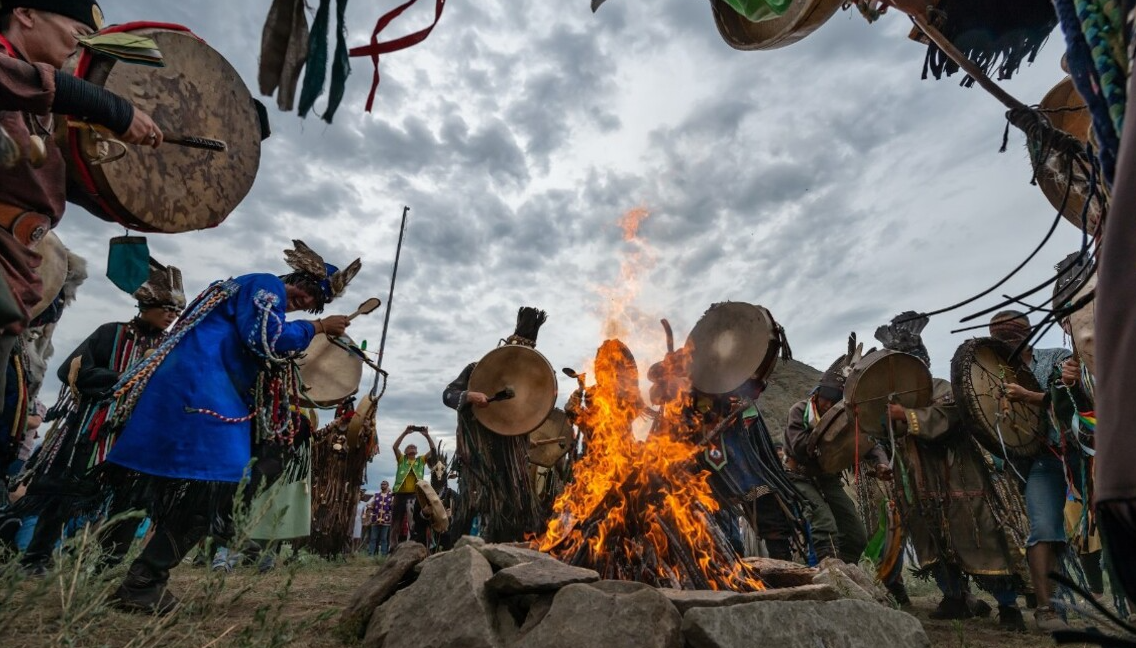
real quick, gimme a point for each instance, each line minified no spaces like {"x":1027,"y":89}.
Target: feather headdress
{"x":163,"y":288}
{"x":903,"y":334}
{"x":333,"y":280}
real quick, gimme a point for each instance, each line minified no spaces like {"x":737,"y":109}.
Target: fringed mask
{"x":330,"y":280}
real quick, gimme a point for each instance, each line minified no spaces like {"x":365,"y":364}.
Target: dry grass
{"x":293,"y":605}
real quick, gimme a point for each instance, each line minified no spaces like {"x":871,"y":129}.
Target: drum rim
{"x":328,"y":404}
{"x":793,"y":30}
{"x":966,"y":399}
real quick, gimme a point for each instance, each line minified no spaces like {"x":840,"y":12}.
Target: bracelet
{"x":318,"y":325}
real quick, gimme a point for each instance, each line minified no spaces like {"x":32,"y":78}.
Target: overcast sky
{"x":824,"y":181}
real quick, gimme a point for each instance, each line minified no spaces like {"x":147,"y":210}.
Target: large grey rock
{"x":378,"y":588}
{"x":849,"y":580}
{"x":539,"y":576}
{"x":447,"y":606}
{"x":800,"y":624}
{"x":583,"y":616}
{"x":476,"y":542}
{"x":685,"y":600}
{"x":503,"y":556}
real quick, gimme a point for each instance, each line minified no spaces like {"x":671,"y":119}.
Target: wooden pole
{"x":390,"y":296}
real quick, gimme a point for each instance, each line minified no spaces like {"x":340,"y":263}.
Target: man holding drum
{"x":835,"y":525}
{"x":190,"y":417}
{"x":1046,"y":484}
{"x":36,"y":38}
{"x":946,"y":498}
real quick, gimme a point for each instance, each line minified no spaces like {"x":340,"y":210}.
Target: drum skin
{"x":1082,"y":326}
{"x":980,"y":370}
{"x":1066,"y":110}
{"x":171,"y":188}
{"x":801,"y":19}
{"x":529,"y":375}
{"x":732,"y":342}
{"x":833,"y":441}
{"x":557,"y":437}
{"x":330,"y":373}
{"x":879,"y":375}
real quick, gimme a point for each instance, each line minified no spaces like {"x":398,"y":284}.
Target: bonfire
{"x":641,"y":510}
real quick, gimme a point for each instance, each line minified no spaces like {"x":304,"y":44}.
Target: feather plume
{"x":304,"y":259}
{"x":339,"y":280}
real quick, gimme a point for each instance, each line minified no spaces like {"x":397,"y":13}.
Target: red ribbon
{"x":8,"y":46}
{"x":375,"y":48}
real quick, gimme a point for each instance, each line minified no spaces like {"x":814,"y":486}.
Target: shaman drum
{"x":980,"y":371}
{"x":52,"y":271}
{"x":431,"y":506}
{"x":522,"y":386}
{"x":364,"y":412}
{"x":552,"y":440}
{"x":733,"y":342}
{"x":833,"y":441}
{"x":330,"y":373}
{"x":171,"y":188}
{"x":801,"y":19}
{"x":883,"y":377}
{"x":1067,"y":111}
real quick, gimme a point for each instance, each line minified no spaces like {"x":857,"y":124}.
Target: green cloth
{"x":404,"y":467}
{"x":758,"y":10}
{"x":128,"y":262}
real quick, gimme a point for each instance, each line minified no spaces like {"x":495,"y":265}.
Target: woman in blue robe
{"x":191,"y":417}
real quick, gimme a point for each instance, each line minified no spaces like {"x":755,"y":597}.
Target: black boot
{"x":951,"y":608}
{"x":977,"y":606}
{"x":1010,"y":619}
{"x":779,"y":548}
{"x":144,"y":589}
{"x":898,"y":592}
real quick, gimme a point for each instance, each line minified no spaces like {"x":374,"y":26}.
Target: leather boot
{"x":144,"y":589}
{"x":898,"y":592}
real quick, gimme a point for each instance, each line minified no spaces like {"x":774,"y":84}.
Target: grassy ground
{"x":293,"y":605}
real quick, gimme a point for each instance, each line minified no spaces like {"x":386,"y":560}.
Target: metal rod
{"x":390,"y":296}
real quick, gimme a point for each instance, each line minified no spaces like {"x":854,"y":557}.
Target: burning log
{"x":641,"y":511}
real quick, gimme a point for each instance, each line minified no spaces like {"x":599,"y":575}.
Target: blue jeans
{"x":1045,"y":492}
{"x":379,"y":540}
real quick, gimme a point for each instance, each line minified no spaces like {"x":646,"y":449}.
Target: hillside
{"x":791,"y":381}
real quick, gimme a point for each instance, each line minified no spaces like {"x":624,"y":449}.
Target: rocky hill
{"x":791,"y":381}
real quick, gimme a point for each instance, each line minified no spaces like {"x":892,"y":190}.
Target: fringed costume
{"x":963,"y":519}
{"x":60,"y":485}
{"x":191,"y":417}
{"x":493,"y":471}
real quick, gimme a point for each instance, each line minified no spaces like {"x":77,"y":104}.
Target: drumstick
{"x":188,"y":141}
{"x":544,"y":442}
{"x":365,"y":308}
{"x":504,"y":394}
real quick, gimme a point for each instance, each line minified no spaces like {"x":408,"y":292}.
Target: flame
{"x":639,"y":510}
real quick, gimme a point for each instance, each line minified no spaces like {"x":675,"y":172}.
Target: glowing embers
{"x":641,"y":510}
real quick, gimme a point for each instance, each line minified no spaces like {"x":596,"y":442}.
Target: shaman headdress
{"x":331,"y":280}
{"x":903,"y":335}
{"x":163,"y":288}
{"x":831,"y":385}
{"x":529,"y":321}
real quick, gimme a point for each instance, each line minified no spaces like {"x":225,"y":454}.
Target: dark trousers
{"x":835,"y":524}
{"x":399,"y":518}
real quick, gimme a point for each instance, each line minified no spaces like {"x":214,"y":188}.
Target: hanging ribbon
{"x":376,"y":48}
{"x":128,"y":262}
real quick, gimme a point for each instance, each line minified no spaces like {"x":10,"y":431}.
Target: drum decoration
{"x":802,"y":18}
{"x":980,"y":370}
{"x":521,"y":386}
{"x":330,"y":373}
{"x":731,"y":343}
{"x":883,"y":377}
{"x":170,"y":189}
